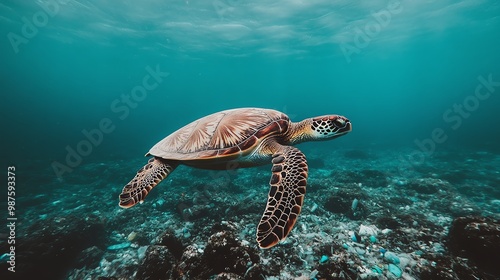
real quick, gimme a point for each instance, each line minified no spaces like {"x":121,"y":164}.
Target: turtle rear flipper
{"x":146,"y":178}
{"x":288,"y":187}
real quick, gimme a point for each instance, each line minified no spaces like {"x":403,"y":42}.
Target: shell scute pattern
{"x":221,"y":134}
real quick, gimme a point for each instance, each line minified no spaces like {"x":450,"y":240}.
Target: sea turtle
{"x":243,"y":137}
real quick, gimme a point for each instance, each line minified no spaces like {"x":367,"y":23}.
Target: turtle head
{"x":329,"y":127}
{"x":318,"y":129}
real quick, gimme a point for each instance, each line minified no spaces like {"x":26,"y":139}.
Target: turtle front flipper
{"x":288,"y":187}
{"x":146,"y":178}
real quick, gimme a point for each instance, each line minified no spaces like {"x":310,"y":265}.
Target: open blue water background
{"x":395,"y":68}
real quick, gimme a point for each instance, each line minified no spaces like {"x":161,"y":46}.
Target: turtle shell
{"x":227,"y":133}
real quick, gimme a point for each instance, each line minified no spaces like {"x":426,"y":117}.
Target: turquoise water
{"x":393,"y":76}
{"x":87,"y":87}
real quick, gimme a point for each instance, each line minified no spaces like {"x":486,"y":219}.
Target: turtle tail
{"x":146,"y":178}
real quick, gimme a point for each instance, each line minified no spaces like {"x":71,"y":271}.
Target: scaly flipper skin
{"x":146,"y":178}
{"x":288,"y":187}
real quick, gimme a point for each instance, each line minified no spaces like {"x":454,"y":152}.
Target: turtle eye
{"x":339,"y":122}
